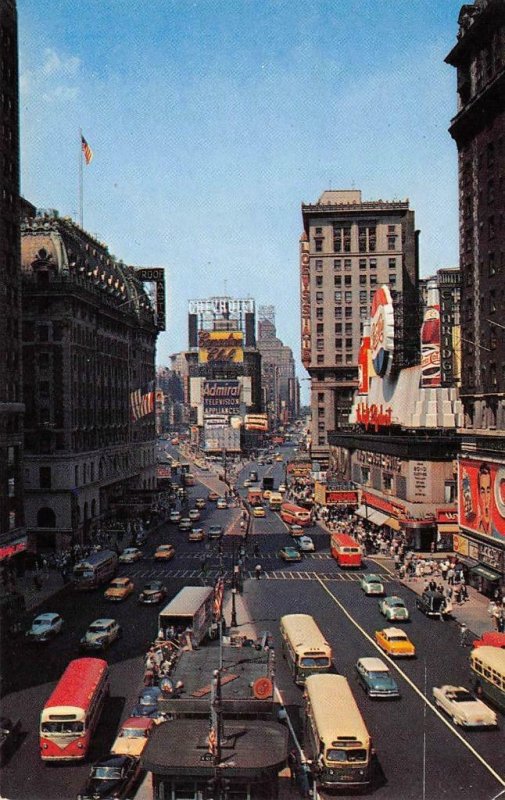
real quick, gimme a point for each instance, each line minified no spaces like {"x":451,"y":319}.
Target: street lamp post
{"x":233,"y":607}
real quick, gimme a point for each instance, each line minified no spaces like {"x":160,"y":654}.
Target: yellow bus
{"x":335,"y":733}
{"x":304,"y":647}
{"x":487,"y":666}
{"x":275,"y":501}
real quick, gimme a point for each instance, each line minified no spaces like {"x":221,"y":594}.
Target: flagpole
{"x":81,"y":181}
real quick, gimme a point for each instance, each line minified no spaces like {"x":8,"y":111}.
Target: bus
{"x":292,"y":514}
{"x":95,"y":569}
{"x":275,"y":501}
{"x":73,"y":710}
{"x":345,"y":550}
{"x":337,"y":737}
{"x":304,"y":646}
{"x":487,"y":667}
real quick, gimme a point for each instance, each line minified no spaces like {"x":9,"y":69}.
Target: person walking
{"x":258,"y":570}
{"x":450,"y":576}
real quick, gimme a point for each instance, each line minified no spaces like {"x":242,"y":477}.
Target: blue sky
{"x":211,"y":122}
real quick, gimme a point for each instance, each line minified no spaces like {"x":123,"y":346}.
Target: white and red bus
{"x":345,"y":550}
{"x":71,"y":713}
{"x":292,"y":514}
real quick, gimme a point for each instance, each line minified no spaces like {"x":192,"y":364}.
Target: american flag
{"x":86,"y":149}
{"x":212,"y":741}
{"x":142,"y":401}
{"x":218,"y":598}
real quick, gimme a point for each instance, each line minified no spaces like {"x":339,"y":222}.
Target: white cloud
{"x":56,"y":65}
{"x":54,"y":80}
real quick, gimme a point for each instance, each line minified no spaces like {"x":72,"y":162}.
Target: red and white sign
{"x":382,"y":331}
{"x":481,"y":497}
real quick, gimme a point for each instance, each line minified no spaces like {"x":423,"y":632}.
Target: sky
{"x":212,"y":121}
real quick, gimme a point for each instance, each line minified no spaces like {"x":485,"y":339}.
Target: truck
{"x":254,"y":497}
{"x":190,"y":612}
{"x":267,"y":483}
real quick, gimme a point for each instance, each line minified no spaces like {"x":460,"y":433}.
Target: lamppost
{"x":233,"y":606}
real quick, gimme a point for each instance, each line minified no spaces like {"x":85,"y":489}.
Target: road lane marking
{"x":413,"y":686}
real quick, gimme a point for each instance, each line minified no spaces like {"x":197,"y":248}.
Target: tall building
{"x":479,"y":132}
{"x":278,"y":377}
{"x":350,"y":247}
{"x":447,"y":283}
{"x":89,"y":338}
{"x":12,"y":531}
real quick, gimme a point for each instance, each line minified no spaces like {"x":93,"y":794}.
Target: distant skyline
{"x":211,"y":122}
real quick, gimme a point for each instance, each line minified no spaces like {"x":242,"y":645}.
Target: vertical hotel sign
{"x":305,"y":299}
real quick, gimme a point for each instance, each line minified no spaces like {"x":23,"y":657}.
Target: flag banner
{"x":87,"y":151}
{"x":212,"y":741}
{"x":142,"y":402}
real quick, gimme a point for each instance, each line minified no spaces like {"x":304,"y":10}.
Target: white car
{"x":100,"y":634}
{"x":305,"y":544}
{"x":463,"y":707}
{"x":129,"y":555}
{"x":175,"y":516}
{"x":44,"y":627}
{"x":221,"y":503}
{"x":282,"y":488}
{"x":194,"y":514}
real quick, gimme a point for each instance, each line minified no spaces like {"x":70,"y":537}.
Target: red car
{"x":491,"y":639}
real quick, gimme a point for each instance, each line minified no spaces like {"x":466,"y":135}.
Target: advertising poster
{"x":221,"y":397}
{"x":220,"y":346}
{"x":482,"y":497}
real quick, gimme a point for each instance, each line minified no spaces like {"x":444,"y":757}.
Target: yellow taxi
{"x":266,"y":494}
{"x":279,"y":458}
{"x":119,"y":589}
{"x":258,"y":511}
{"x":164,"y":552}
{"x":395,"y":642}
{"x":133,"y":736}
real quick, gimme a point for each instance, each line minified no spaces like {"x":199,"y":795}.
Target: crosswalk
{"x":213,"y":572}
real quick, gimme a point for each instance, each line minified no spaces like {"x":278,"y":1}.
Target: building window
{"x":338,"y":344}
{"x":320,"y":397}
{"x":391,"y":229}
{"x":319,"y":246}
{"x":338,"y":312}
{"x":320,"y":327}
{"x":387,"y":480}
{"x":320,"y":426}
{"x":337,"y":280}
{"x":391,"y":242}
{"x":319,"y":231}
{"x":338,"y":358}
{"x":373,"y":263}
{"x":321,"y":440}
{"x":348,"y":280}
{"x":347,"y":264}
{"x":491,"y":264}
{"x":319,"y":280}
{"x":319,"y":265}
{"x":348,"y":358}
{"x":363,"y":296}
{"x":338,"y":327}
{"x":492,"y":301}
{"x":363,"y":312}
{"x":45,"y":477}
{"x":348,"y":328}
{"x":373,"y":280}
{"x":337,"y":239}
{"x":365,"y":476}
{"x":362,"y":263}
{"x":348,"y":344}
{"x":362,"y":280}
{"x":348,"y":312}
{"x":320,"y":359}
{"x":43,"y":332}
{"x":392,"y":280}
{"x":392,"y":263}
{"x":450,"y":495}
{"x":491,"y":228}
{"x":338,"y":297}
{"x":320,"y":411}
{"x":319,"y":297}
{"x":319,"y":313}
{"x":348,"y":297}
{"x":320,"y":344}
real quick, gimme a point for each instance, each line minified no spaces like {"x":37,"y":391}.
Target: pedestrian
{"x":450,"y":576}
{"x":464,"y":592}
{"x":258,"y":569}
{"x":292,"y":763}
{"x":443,"y":568}
{"x":256,"y":550}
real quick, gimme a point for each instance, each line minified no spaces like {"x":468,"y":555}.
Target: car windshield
{"x":373,"y":579}
{"x":151,"y":587}
{"x":41,"y":623}
{"x":397,"y":638}
{"x":116,"y":584}
{"x":396,"y":603}
{"x":97,"y":629}
{"x":147,"y":700}
{"x":351,"y":756}
{"x":107,"y":773}
{"x":461,"y":696}
{"x":381,"y":677}
{"x":132,"y":733}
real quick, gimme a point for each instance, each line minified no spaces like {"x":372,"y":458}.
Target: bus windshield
{"x":62,"y":727}
{"x":314,"y":661}
{"x":350,"y":756}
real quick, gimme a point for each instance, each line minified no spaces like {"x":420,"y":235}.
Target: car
{"x":463,"y":707}
{"x":491,"y":639}
{"x":153,"y":592}
{"x":147,"y":703}
{"x":200,"y":503}
{"x":100,"y":634}
{"x":221,"y":503}
{"x":290,"y":554}
{"x":213,"y":497}
{"x":111,"y":777}
{"x":247,"y":483}
{"x":196,"y":535}
{"x":175,"y":517}
{"x":185,"y":524}
{"x":432,"y":604}
{"x":164,"y":552}
{"x":119,"y":589}
{"x":130,"y":555}
{"x":282,"y":488}
{"x":296,"y":531}
{"x":266,"y":494}
{"x":279,"y":458}
{"x":395,"y":642}
{"x":133,"y":736}
{"x":215,"y":532}
{"x":194,"y":514}
{"x":305,"y":544}
{"x":10,"y":735}
{"x":376,"y":679}
{"x":394,"y":609}
{"x":258,"y":511}
{"x":372,"y":584}
{"x":45,"y":627}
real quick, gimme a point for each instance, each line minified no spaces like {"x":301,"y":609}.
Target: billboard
{"x":221,"y":437}
{"x":382,"y":331}
{"x":256,"y":422}
{"x":220,"y":346}
{"x":481,"y":497}
{"x":430,"y":340}
{"x":305,"y":300}
{"x":221,"y":397}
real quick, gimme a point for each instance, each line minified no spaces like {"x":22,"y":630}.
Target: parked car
{"x":213,"y":497}
{"x":258,"y":511}
{"x":394,"y":609}
{"x":133,"y":736}
{"x":491,"y":639}
{"x":147,"y":703}
{"x":130,"y":555}
{"x":296,"y":531}
{"x":194,"y":514}
{"x":196,"y":535}
{"x":463,"y":707}
{"x":44,"y":627}
{"x":221,"y":503}
{"x":185,"y":524}
{"x":290,"y":554}
{"x":111,"y":777}
{"x":175,"y":517}
{"x":153,"y":592}
{"x":164,"y":552}
{"x":119,"y":589}
{"x":432,"y":604}
{"x":215,"y":532}
{"x":395,"y":642}
{"x":376,"y":679}
{"x":305,"y":544}
{"x":100,"y":634}
{"x":200,"y":503}
{"x":372,"y":584}
{"x":10,"y":734}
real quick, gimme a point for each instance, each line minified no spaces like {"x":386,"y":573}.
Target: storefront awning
{"x":377,"y":517}
{"x":393,"y":523}
{"x":486,"y":572}
{"x":447,"y":527}
{"x":361,"y":511}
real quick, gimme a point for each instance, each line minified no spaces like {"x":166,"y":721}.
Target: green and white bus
{"x":487,"y":667}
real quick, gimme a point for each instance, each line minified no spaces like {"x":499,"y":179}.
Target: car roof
{"x":113,"y":761}
{"x":47,"y":616}
{"x":165,"y":546}
{"x":373,"y":664}
{"x":102,"y":621}
{"x":138,"y":722}
{"x":150,"y":584}
{"x":394,"y":632}
{"x":121,"y":580}
{"x":372,"y":577}
{"x":392,"y":597}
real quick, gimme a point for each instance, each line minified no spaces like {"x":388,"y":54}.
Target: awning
{"x":377,"y":517}
{"x":393,"y":523}
{"x":447,"y":527}
{"x":486,"y":572}
{"x":361,"y":511}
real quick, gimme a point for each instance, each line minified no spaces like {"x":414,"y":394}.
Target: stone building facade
{"x":278,"y":377}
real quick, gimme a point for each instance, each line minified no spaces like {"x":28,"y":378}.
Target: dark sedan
{"x":153,"y":592}
{"x":147,"y":703}
{"x":112,"y":777}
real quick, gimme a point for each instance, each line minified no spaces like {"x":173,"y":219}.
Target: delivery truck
{"x":190,"y":612}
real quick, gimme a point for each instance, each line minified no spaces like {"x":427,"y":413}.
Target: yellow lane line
{"x":413,"y":686}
